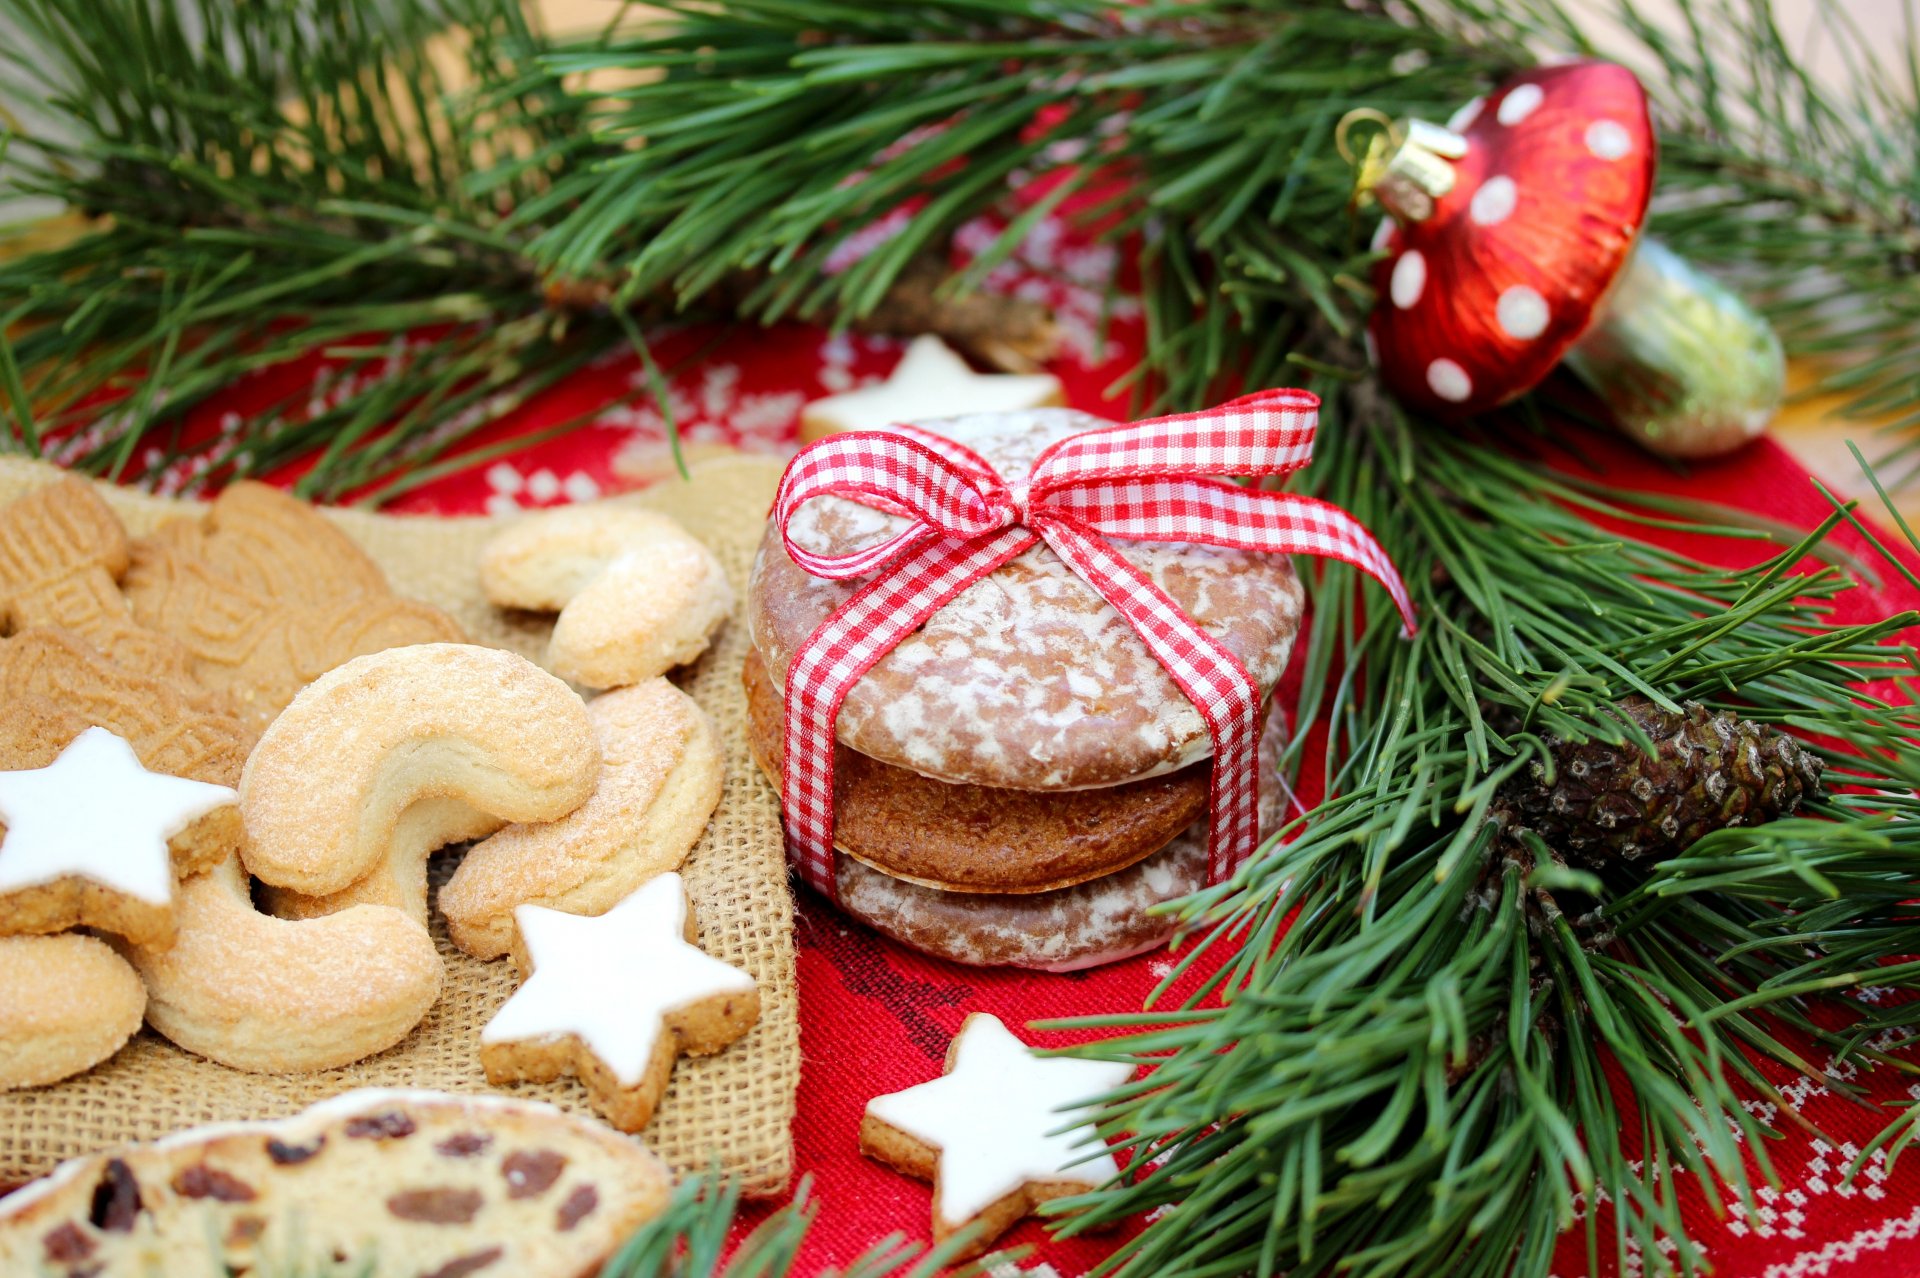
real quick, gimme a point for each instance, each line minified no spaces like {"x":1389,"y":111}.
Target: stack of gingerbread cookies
{"x":1020,"y":781}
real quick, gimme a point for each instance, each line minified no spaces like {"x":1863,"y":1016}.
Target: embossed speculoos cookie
{"x":265,"y":595}
{"x":1018,"y":781}
{"x":62,"y":556}
{"x":380,"y":1182}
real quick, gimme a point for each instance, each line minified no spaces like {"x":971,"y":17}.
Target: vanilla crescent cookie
{"x":66,"y":1003}
{"x":87,"y":840}
{"x":636,"y":593}
{"x":660,"y":775}
{"x":377,"y":762}
{"x":613,"y":1000}
{"x":270,"y":995}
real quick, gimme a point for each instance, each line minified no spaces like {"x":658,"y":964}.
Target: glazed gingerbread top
{"x":1027,"y":679}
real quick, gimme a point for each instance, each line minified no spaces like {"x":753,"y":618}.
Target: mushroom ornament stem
{"x":1512,"y":243}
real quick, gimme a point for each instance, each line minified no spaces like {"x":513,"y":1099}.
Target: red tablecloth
{"x":877,"y":1018}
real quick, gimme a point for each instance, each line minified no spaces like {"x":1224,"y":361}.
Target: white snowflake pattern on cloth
{"x":511,"y":490}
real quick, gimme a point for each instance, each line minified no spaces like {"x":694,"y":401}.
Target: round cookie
{"x":963,"y":838}
{"x":66,"y":1003}
{"x":1027,"y":679}
{"x":1102,"y":921}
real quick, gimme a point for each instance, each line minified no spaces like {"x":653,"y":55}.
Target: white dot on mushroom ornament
{"x":1608,"y":140}
{"x":1462,"y":120}
{"x":1493,"y":201}
{"x":1449,"y":381}
{"x":1522,"y":313}
{"x":1519,"y":104}
{"x":1409,"y":277}
{"x":1383,"y":232}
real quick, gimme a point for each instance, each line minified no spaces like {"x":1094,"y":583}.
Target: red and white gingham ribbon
{"x":1151,"y":480}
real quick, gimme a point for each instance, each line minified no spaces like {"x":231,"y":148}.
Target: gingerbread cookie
{"x":62,"y":554}
{"x":393,"y":754}
{"x":987,"y":1132}
{"x":613,"y":1000}
{"x":982,"y":839}
{"x":636,"y":593}
{"x":66,"y":1004}
{"x":276,"y":996}
{"x":1028,"y":679}
{"x":660,"y":774}
{"x":1100,"y":921}
{"x":266,"y":595}
{"x":86,"y":841}
{"x":413,"y":1184}
{"x":931,"y":380}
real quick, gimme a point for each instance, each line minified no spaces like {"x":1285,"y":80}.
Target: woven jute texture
{"x":733,"y":1110}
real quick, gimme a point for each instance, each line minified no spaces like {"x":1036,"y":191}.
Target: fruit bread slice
{"x":376,"y":1182}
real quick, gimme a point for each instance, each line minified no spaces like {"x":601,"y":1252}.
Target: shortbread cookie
{"x":660,"y":773}
{"x":931,"y":380}
{"x":613,"y":1000}
{"x":1027,"y":679}
{"x":66,"y":1004}
{"x":86,"y":841}
{"x":266,"y":595}
{"x":987,"y":1132}
{"x":636,"y":593}
{"x":327,"y":794}
{"x":382,"y":1184}
{"x":982,"y":839}
{"x":272,"y":996}
{"x":62,"y":553}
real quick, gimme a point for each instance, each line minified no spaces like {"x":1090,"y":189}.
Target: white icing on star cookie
{"x":94,"y":813}
{"x":613,"y":999}
{"x":993,"y":1120}
{"x":930,"y":381}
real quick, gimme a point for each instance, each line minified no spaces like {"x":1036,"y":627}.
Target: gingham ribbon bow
{"x":1147,"y":481}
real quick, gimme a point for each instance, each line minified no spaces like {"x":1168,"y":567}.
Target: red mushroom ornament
{"x":1512,"y":242}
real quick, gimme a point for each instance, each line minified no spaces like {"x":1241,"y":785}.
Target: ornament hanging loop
{"x":1407,"y":165}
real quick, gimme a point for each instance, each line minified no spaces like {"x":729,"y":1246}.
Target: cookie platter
{"x":732,"y":1108}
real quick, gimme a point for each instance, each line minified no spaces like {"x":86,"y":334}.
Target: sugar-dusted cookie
{"x":265,"y":594}
{"x":86,"y":841}
{"x":62,"y":553}
{"x":385,"y":1184}
{"x":276,"y":996}
{"x":987,"y":1131}
{"x":66,"y":1004}
{"x":612,"y":1000}
{"x":931,"y":380}
{"x":378,"y":762}
{"x":660,"y":774}
{"x":637,"y":594}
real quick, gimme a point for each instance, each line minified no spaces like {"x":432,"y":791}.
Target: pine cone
{"x":1616,"y":802}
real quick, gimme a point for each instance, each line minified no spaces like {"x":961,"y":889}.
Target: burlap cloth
{"x":733,"y":1110}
